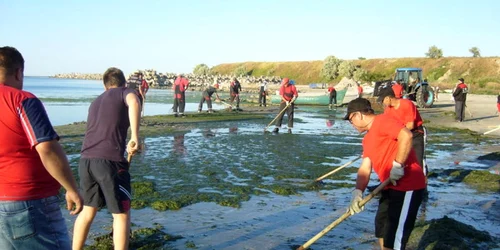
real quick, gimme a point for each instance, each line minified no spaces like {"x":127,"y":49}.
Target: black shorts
{"x":396,"y":215}
{"x":105,"y":183}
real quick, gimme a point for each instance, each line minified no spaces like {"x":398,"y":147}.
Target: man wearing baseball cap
{"x":387,"y":150}
{"x":407,"y":113}
{"x":288,"y":94}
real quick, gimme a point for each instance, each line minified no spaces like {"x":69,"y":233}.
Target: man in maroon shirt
{"x":103,"y":170}
{"x":288,"y":94}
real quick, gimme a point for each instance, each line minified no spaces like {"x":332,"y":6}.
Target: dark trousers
{"x":333,"y":97}
{"x":180,"y":103}
{"x":262,"y":98}
{"x":459,"y":110}
{"x":289,"y":113}
{"x":237,"y":97}
{"x":418,"y":144}
{"x":209,"y":103}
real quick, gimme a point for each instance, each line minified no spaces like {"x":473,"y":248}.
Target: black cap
{"x":461,"y":79}
{"x":358,"y":104}
{"x":387,"y":91}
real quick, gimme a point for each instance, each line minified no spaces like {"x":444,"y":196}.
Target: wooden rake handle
{"x":344,"y":216}
{"x":277,"y":116}
{"x":337,"y":169}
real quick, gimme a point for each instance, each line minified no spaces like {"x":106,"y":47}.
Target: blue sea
{"x":68,"y":100}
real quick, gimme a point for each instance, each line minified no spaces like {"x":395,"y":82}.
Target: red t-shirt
{"x":288,"y":92}
{"x":398,"y":90}
{"x":331,"y":89}
{"x":380,"y":144}
{"x":360,"y":89}
{"x":406,"y":112}
{"x":23,"y":125}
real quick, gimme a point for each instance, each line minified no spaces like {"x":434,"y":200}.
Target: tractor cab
{"x":416,"y":89}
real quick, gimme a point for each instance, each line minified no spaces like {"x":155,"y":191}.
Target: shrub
{"x":201,"y":69}
{"x":475,"y":52}
{"x":347,"y":68}
{"x":330,"y":68}
{"x":434,"y":52}
{"x":241,"y":71}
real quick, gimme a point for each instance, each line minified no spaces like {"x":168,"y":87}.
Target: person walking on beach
{"x":460,"y":96}
{"x":207,"y":96}
{"x":288,"y":94}
{"x":33,"y":167}
{"x":333,"y":96}
{"x":498,"y":105}
{"x":387,"y":150}
{"x":262,"y":93}
{"x":360,"y":90}
{"x":180,"y":86}
{"x":103,"y":170}
{"x":143,"y":90}
{"x":407,"y":113}
{"x":234,"y":90}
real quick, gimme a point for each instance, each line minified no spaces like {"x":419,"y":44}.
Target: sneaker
{"x":276,"y":130}
{"x":289,"y":130}
{"x":210,"y":111}
{"x":199,"y":111}
{"x":182,"y":115}
{"x":175,"y":115}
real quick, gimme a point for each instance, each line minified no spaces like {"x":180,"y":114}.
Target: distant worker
{"x":460,"y":96}
{"x":180,"y":86}
{"x":135,"y":82}
{"x":360,"y":90}
{"x":333,"y":96}
{"x":207,"y":96}
{"x":288,"y":94}
{"x":262,"y":93}
{"x":498,"y":105}
{"x":398,"y":89}
{"x":235,"y":89}
{"x":143,"y":90}
{"x":411,"y":79}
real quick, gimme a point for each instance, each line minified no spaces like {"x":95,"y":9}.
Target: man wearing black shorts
{"x":387,"y":150}
{"x":103,"y":170}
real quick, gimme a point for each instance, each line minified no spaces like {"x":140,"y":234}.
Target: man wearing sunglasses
{"x":387,"y":150}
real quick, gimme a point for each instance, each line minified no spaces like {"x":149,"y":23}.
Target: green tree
{"x":330,"y":68}
{"x":347,"y":68}
{"x":201,"y":69}
{"x":475,"y":52}
{"x":241,"y":71}
{"x":361,"y":58}
{"x":360,"y":74}
{"x":434,"y":52}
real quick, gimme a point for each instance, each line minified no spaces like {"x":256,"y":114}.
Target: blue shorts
{"x":33,"y":224}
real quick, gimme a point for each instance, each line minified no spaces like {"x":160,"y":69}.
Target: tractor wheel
{"x":425,"y":97}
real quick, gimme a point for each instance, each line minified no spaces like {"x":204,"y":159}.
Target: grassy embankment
{"x":482,"y":74}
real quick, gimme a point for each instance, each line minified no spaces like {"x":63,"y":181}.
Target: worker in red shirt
{"x":407,"y":113}
{"x":397,"y":88}
{"x":360,"y":90}
{"x":333,"y":96}
{"x":288,"y":94}
{"x":498,"y":105}
{"x":460,"y":96}
{"x":33,"y":167}
{"x":180,"y":86}
{"x":143,"y":89}
{"x":387,"y":150}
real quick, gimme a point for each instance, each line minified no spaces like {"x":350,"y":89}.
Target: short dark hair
{"x":114,"y":77}
{"x":10,"y":61}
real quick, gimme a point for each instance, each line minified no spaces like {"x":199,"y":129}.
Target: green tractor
{"x":414,"y":88}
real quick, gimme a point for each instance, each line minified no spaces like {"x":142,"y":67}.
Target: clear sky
{"x":89,"y":36}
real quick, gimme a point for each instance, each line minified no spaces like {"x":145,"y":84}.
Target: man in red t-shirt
{"x":407,"y":113}
{"x":460,"y":96}
{"x":180,"y":86}
{"x":360,"y":90}
{"x":33,"y":166}
{"x":387,"y":150}
{"x":398,"y":89}
{"x":288,"y":94}
{"x":333,"y":96}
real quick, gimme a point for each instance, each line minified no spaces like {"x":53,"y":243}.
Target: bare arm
{"x":405,"y":138}
{"x":364,"y":172}
{"x":134,"y":114}
{"x":410,"y":125}
{"x":55,"y":162}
